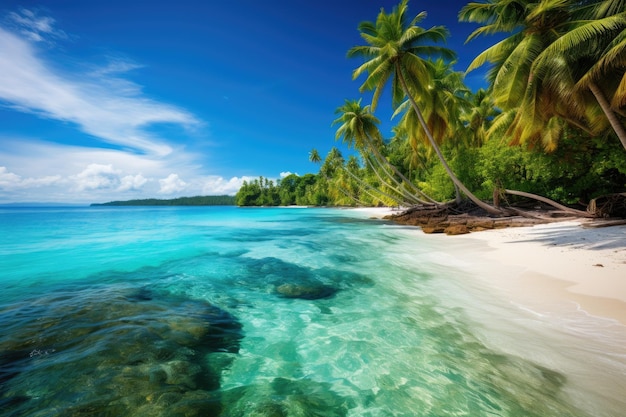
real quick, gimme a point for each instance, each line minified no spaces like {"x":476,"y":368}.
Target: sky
{"x":119,"y":100}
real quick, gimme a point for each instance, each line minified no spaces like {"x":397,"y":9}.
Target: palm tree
{"x":440,"y":107}
{"x":557,"y":52}
{"x":596,"y":47}
{"x":359,"y":129}
{"x":314,"y":156}
{"x":394,"y":52}
{"x":531,"y":25}
{"x":478,"y":117}
{"x":333,"y":162}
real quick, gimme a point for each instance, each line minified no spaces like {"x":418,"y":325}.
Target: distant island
{"x":208,"y":200}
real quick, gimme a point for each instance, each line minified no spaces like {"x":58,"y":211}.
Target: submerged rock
{"x":290,"y":280}
{"x":284,"y":397}
{"x":106,"y":351}
{"x":306,"y":291}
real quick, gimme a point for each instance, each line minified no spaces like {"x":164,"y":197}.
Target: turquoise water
{"x":220,"y":311}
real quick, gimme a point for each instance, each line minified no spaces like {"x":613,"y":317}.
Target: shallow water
{"x":219,"y":311}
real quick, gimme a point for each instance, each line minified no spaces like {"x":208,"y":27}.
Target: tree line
{"x":207,"y":200}
{"x":549,"y":125}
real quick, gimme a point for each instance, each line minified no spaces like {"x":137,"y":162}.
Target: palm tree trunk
{"x":382,"y":161}
{"x":420,"y":198}
{"x":610,"y":115}
{"x":367,"y":187}
{"x":488,"y":208}
{"x":550,"y":202}
{"x":399,"y":191}
{"x":343,"y":191}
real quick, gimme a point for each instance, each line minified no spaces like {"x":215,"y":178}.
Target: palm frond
{"x":500,"y":125}
{"x":576,"y":39}
{"x":418,"y":18}
{"x":605,"y":8}
{"x":495,"y":53}
{"x":477,"y":12}
{"x":552,"y":134}
{"x":367,"y":27}
{"x":362,"y":52}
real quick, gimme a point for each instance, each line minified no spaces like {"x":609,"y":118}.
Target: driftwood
{"x":612,"y":205}
{"x":604,"y":223}
{"x":453,"y":219}
{"x":552,"y":203}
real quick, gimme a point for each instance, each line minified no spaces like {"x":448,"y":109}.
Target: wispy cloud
{"x":99,"y":103}
{"x":12,"y":181}
{"x":102,"y":102}
{"x":35,"y":27}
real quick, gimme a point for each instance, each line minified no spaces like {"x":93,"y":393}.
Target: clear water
{"x":220,"y":311}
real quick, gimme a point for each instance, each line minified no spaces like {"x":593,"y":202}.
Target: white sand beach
{"x":553,"y":294}
{"x":565,"y":287}
{"x":562,"y":262}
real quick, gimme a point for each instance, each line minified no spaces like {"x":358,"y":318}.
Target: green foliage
{"x":260,"y":192}
{"x":291,"y":190}
{"x":497,"y":138}
{"x":209,"y":200}
{"x":579,"y":170}
{"x":438,"y":184}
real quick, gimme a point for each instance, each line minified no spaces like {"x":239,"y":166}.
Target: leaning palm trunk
{"x":342,"y":190}
{"x":550,"y":202}
{"x":385,"y":183}
{"x":382,"y":161}
{"x":366,"y":187}
{"x":413,"y":198}
{"x":488,"y":208}
{"x":610,"y":114}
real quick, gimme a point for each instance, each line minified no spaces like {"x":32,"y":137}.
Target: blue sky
{"x":128,"y":99}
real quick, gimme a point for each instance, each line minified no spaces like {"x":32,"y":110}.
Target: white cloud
{"x":99,"y":102}
{"x":217,"y":185}
{"x":8,"y":179}
{"x":172,"y":184}
{"x":105,"y":177}
{"x":286,"y":174}
{"x":97,"y":177}
{"x":34,"y":27}
{"x":132,"y":182}
{"x":111,"y":109}
{"x":12,"y":181}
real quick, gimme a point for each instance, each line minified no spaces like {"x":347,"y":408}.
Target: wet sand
{"x":554,"y":294}
{"x":562,"y":262}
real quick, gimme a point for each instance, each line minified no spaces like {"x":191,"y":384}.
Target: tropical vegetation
{"x":206,"y":200}
{"x":550,"y":123}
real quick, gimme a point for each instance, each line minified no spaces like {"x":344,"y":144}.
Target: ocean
{"x":225,"y":311}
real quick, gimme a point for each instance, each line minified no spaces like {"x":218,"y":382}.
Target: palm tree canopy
{"x":532,"y":26}
{"x":314,"y":156}
{"x":393,"y":39}
{"x":358,"y":125}
{"x":496,"y":16}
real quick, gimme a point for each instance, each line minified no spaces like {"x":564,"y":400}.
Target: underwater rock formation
{"x":284,"y":397}
{"x":307,"y":291}
{"x":110,"y":352}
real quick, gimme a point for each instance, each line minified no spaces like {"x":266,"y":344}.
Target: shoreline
{"x":557,"y":262}
{"x":553,"y":294}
